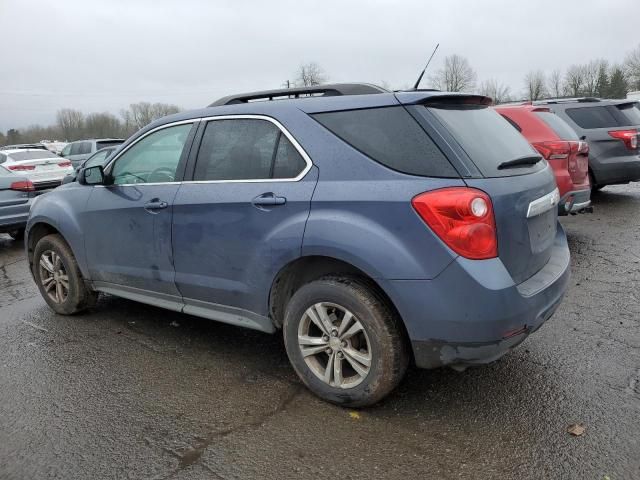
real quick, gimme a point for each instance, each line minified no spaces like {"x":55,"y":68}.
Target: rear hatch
{"x":505,"y":166}
{"x":572,"y":151}
{"x":612,"y":129}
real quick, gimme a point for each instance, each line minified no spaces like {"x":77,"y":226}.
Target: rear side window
{"x":390,"y":136}
{"x":246,"y":149}
{"x":559,"y":126}
{"x":486,"y":138}
{"x":593,"y":117}
{"x":631,"y":112}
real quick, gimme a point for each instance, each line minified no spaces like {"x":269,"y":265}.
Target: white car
{"x":44,"y":168}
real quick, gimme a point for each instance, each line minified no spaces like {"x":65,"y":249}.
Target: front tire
{"x":344,"y":342}
{"x":58,"y":277}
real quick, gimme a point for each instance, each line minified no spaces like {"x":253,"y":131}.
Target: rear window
{"x":105,"y":144}
{"x":607,"y":116}
{"x":390,"y":136}
{"x":559,"y":126}
{"x":31,"y":155}
{"x":486,"y":138}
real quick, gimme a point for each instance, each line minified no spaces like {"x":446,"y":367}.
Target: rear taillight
{"x":64,"y":164}
{"x":21,"y":168}
{"x":463,"y":219}
{"x":629,"y":137}
{"x":23,"y":186}
{"x":553,"y":150}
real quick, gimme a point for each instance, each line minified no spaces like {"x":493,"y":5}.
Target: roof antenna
{"x":415,"y":87}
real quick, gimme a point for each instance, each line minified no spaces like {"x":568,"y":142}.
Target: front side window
{"x":154,"y":159}
{"x":85,"y":148}
{"x":76,"y":148}
{"x":66,"y":150}
{"x":246,"y":149}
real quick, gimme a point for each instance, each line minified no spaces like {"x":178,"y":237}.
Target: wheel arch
{"x":306,"y":269}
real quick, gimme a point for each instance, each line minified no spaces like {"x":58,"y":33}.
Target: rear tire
{"x":58,"y":277}
{"x":355,"y":364}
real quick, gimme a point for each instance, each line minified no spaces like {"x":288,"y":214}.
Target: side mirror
{"x":61,"y":154}
{"x":91,"y":176}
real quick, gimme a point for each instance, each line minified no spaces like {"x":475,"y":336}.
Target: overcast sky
{"x":103,"y":55}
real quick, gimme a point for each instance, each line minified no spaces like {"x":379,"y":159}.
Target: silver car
{"x":80,"y":150}
{"x":16,"y":194}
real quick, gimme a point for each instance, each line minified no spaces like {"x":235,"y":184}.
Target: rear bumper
{"x":616,"y":170}
{"x":473,"y":312}
{"x":14,"y":218}
{"x":574,"y":201}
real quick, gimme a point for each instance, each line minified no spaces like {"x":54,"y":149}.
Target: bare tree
{"x":591,"y":72}
{"x":455,"y":76}
{"x":142,"y":113}
{"x":574,"y":80}
{"x":535,"y":85}
{"x":310,"y":74}
{"x":101,"y":125}
{"x":632,"y":68}
{"x":70,"y":122}
{"x":555,"y":84}
{"x":496,"y":90}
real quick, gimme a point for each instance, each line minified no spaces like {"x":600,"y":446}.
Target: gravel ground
{"x":131,"y":391}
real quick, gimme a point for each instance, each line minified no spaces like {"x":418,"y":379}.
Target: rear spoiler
{"x":441,"y":98}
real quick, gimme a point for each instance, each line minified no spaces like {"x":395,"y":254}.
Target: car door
{"x":127,"y":223}
{"x":241,"y":217}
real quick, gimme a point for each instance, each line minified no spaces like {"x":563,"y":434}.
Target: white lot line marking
{"x":37,"y":327}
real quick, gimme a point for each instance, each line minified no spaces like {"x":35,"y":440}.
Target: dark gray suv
{"x":611,"y":128}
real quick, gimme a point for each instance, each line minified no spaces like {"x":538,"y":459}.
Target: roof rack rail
{"x":567,"y":100}
{"x":330,"y":90}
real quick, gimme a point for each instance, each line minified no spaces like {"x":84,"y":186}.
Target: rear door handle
{"x":155,"y":204}
{"x":268,"y":199}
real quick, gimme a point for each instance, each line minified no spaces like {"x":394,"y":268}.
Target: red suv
{"x":559,"y":144}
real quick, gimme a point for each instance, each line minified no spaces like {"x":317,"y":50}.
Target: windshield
{"x":487,"y":138}
{"x":31,"y":155}
{"x":99,"y":158}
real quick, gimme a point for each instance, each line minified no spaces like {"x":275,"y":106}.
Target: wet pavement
{"x":132,"y":391}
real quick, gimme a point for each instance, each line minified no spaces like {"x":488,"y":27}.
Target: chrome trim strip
{"x":544,"y":203}
{"x":286,"y":132}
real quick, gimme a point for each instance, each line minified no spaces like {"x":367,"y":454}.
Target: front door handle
{"x":268,"y":199}
{"x":155,"y":204}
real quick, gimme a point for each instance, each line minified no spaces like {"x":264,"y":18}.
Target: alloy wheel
{"x":334,"y":345}
{"x":53,"y":276}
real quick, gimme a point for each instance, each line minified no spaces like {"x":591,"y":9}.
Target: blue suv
{"x":372,"y":228}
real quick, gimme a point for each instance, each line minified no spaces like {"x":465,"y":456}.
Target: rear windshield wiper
{"x":520,"y":161}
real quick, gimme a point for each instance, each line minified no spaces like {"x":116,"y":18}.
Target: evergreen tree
{"x":602,"y":84}
{"x":618,"y":86}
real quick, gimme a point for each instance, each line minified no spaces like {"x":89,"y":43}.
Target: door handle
{"x":155,"y":204}
{"x":268,"y":199}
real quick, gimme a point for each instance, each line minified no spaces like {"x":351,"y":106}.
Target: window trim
{"x":205,"y":120}
{"x":283,"y":130}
